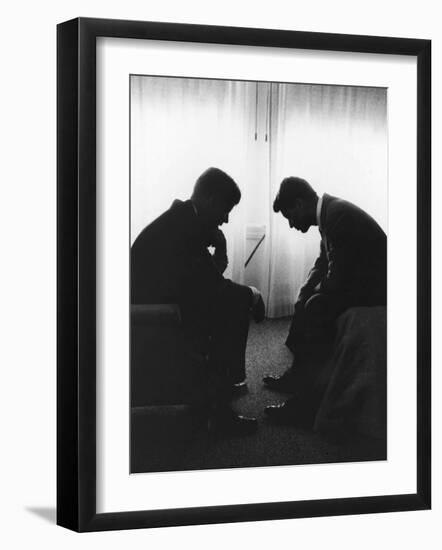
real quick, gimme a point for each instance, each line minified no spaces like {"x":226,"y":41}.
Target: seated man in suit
{"x":171,"y":263}
{"x":351,"y":270}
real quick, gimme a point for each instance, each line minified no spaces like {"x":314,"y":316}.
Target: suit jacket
{"x":353,"y":255}
{"x":170,"y":263}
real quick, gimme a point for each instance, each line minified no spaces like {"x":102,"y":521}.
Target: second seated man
{"x":350,"y":271}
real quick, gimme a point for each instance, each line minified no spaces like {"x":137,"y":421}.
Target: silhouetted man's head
{"x":214,"y":195}
{"x":297,"y":200}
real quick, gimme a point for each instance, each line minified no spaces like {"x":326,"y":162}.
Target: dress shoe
{"x":284,"y":383}
{"x":228,"y":423}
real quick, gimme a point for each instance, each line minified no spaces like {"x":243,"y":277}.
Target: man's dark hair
{"x":290,"y":190}
{"x":214,"y":183}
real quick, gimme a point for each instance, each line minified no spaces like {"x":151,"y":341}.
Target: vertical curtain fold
{"x":336,"y":138}
{"x":333,"y":136}
{"x":179,"y":128}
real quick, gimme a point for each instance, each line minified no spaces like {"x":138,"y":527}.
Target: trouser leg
{"x":228,"y":339}
{"x":312,"y":335}
{"x":311,"y":329}
{"x":295,"y":338}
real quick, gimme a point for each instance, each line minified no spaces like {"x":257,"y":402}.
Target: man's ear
{"x":205,"y":203}
{"x":299,"y":204}
{"x":210,"y":202}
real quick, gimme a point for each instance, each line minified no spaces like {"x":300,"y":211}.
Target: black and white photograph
{"x":221,"y":247}
{"x":258,"y":273}
{"x":243,"y":274}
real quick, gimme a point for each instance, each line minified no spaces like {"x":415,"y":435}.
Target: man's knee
{"x":234,"y":295}
{"x":317,"y":309}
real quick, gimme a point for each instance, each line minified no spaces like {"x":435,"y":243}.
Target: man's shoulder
{"x":169,"y":229}
{"x":343,"y":215}
{"x":178,"y":212}
{"x":336,"y":204}
{"x":337,"y":208}
{"x":178,"y":209}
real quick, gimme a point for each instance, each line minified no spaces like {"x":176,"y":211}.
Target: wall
{"x":27,"y":473}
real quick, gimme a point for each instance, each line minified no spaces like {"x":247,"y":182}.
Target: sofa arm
{"x":155,"y":315}
{"x":165,"y":367}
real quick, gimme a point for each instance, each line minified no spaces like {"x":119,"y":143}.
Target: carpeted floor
{"x":169,"y":439}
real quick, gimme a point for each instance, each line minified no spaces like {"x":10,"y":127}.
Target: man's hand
{"x":258,"y":309}
{"x":218,"y":241}
{"x":304,"y":295}
{"x":300,"y":302}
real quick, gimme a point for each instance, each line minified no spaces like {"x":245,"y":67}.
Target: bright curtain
{"x":179,"y":128}
{"x":335,"y":137}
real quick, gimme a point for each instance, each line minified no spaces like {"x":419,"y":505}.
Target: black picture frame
{"x":76,"y":273}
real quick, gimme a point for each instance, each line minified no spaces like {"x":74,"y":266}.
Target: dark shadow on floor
{"x":169,"y":439}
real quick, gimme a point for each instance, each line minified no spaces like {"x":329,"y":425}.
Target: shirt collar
{"x":318,"y":212}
